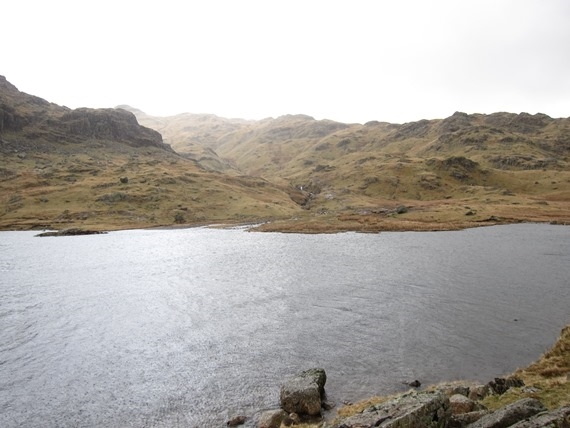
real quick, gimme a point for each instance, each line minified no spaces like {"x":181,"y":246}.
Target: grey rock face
{"x":303,"y":393}
{"x":559,"y":418}
{"x":511,"y":414}
{"x":461,"y":404}
{"x":272,"y":418}
{"x":419,"y":410}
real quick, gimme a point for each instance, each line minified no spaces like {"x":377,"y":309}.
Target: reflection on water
{"x":188,"y":327}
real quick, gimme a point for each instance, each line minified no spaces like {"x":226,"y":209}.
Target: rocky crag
{"x":29,"y":122}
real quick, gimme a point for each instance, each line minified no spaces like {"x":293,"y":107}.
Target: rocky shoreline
{"x":458,"y":405}
{"x":532,"y":397}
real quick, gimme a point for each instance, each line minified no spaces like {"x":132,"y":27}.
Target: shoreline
{"x":408,"y":215}
{"x":546,"y":380}
{"x":357,"y":224}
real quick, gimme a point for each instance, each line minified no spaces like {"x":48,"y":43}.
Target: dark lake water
{"x":188,"y":327}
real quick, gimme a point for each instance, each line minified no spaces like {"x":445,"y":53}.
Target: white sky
{"x":350,"y":61}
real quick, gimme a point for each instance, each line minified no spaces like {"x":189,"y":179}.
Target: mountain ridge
{"x":303,"y":174}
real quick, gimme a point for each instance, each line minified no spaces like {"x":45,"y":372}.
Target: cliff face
{"x":30,"y":119}
{"x":109,"y":124}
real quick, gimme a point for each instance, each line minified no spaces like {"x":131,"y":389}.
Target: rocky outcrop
{"x":110,"y":124}
{"x":303,"y":393}
{"x":510,"y":415}
{"x":501,"y":385}
{"x":421,"y":409}
{"x":559,"y":418}
{"x":33,"y":122}
{"x":523,"y":162}
{"x":71,"y":232}
{"x":459,"y":404}
{"x":449,"y":406}
{"x":453,"y":405}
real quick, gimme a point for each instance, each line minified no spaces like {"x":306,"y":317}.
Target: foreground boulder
{"x":510,"y":415}
{"x":420,"y":410}
{"x":462,"y":420}
{"x":559,"y":418}
{"x":461,"y":404}
{"x":303,"y":393}
{"x":272,"y":418}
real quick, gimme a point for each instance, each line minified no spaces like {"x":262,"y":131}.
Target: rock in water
{"x":303,"y":393}
{"x":272,"y":418}
{"x":237,"y":420}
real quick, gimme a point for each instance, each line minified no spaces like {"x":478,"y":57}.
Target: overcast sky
{"x":350,"y":61}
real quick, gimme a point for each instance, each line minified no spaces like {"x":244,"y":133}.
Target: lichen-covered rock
{"x":454,"y":388}
{"x":303,"y":393}
{"x":110,"y":124}
{"x":461,"y":404}
{"x":478,"y":392}
{"x":272,"y":418}
{"x":559,"y":418}
{"x":502,"y":385}
{"x":510,"y":415}
{"x":464,"y":419}
{"x":418,"y":410}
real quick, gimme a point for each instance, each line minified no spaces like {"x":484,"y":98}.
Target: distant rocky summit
{"x":27,"y":121}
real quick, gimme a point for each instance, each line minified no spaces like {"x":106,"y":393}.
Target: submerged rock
{"x":237,"y":420}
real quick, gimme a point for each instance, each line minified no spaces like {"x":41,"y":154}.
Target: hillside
{"x":447,"y":173}
{"x":98,"y":168}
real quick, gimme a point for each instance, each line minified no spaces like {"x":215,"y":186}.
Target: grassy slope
{"x":308,"y":175}
{"x":353,"y":177}
{"x":84,"y":189}
{"x":99,"y":169}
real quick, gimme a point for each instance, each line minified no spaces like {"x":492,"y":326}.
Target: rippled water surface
{"x":188,"y":327}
